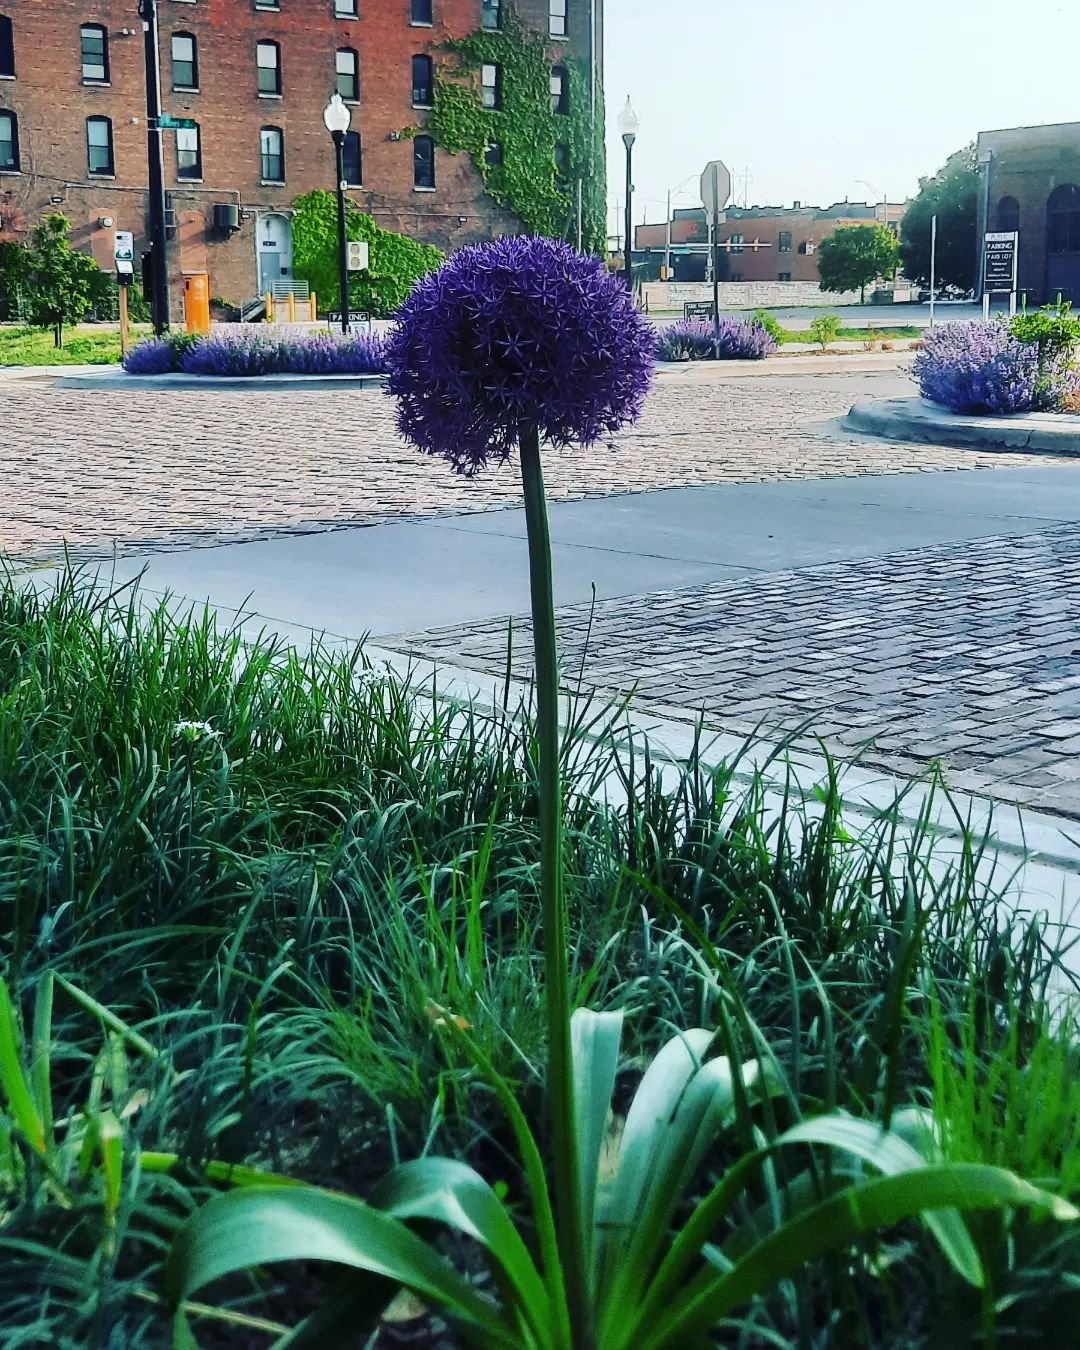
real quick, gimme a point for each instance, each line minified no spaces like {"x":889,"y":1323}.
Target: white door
{"x":273,"y":239}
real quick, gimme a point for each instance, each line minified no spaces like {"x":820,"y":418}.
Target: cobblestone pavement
{"x":164,"y":470}
{"x":967,"y":653}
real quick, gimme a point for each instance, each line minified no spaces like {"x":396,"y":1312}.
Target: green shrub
{"x":825,"y":329}
{"x":763,"y":319}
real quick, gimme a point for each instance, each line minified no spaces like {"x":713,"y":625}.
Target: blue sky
{"x":814,"y":95}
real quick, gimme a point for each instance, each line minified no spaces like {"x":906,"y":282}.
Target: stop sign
{"x":715,"y":186}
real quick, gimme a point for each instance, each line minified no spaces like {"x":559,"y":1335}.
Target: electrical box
{"x":357,"y":253}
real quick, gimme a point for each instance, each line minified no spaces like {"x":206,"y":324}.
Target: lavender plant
{"x":510,"y":344}
{"x":259,"y":351}
{"x":731,"y":340}
{"x":985,"y":368}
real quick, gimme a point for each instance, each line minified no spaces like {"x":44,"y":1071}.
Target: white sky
{"x":813,"y":95}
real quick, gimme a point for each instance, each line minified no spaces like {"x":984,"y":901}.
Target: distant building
{"x":1030,"y":182}
{"x":757,"y":243}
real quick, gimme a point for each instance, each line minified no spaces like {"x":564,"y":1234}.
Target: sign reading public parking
{"x":715,"y":186}
{"x":124,"y":252}
{"x":1000,"y":270}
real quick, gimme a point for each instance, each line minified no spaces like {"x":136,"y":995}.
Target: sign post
{"x":715,"y":191}
{"x":1000,"y":252}
{"x":933,"y":265}
{"x":124,"y":253}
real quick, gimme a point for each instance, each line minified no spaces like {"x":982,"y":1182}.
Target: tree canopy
{"x":855,"y":256}
{"x":56,"y":282}
{"x":952,"y":195}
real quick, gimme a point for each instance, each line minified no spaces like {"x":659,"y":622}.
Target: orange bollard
{"x":197,"y":302}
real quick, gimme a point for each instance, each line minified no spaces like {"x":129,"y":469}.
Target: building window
{"x":188,"y":153}
{"x":491,"y":15}
{"x":352,"y":159}
{"x":1063,"y":220}
{"x":94,"y":49}
{"x":560,"y":93}
{"x":348,"y":74}
{"x":185,"y":61}
{"x":346,"y":9}
{"x":423,"y":162}
{"x":421,"y":12}
{"x":785,"y":243}
{"x":99,"y":146}
{"x":423,"y":82}
{"x":272,"y":155}
{"x":267,"y":4}
{"x":7,"y":47}
{"x":1008,"y":215}
{"x":736,"y":242}
{"x":491,"y":86}
{"x":268,"y":61}
{"x":493,"y":155}
{"x":557,"y":18}
{"x":9,"y":142}
{"x":784,"y":276}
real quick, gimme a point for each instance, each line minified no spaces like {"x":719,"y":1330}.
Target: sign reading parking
{"x":1000,"y":270}
{"x":124,"y":252}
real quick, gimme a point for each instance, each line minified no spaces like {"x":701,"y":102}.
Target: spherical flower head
{"x":522,"y":331}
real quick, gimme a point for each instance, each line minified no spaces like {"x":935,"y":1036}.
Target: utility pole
{"x":667,"y":240}
{"x":159,"y":302}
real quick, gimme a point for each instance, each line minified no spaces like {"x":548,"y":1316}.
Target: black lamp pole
{"x":628,"y":140}
{"x":159,"y":274}
{"x":343,"y":250}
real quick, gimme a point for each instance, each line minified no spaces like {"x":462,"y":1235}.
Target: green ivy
{"x":526,"y":181}
{"x":396,"y":262}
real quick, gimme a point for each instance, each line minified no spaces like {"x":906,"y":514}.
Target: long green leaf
{"x":864,"y":1208}
{"x":13,"y":1080}
{"x":451,"y":1192}
{"x":595,"y":1038}
{"x":259,"y":1225}
{"x":41,"y":1053}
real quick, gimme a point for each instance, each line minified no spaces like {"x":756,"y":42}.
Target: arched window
{"x":9,"y":141}
{"x":94,"y":53}
{"x":1063,"y":220}
{"x":272,"y":154}
{"x":1008,"y":215}
{"x":347,"y":67}
{"x":7,"y":47}
{"x":268,"y":62}
{"x":423,"y":82}
{"x":185,"y":61}
{"x":560,"y":93}
{"x":99,"y":147}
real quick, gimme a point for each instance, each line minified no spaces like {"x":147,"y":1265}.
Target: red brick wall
{"x":52,"y":104}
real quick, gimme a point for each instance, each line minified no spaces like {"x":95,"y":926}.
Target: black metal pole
{"x":343,"y":250}
{"x":159,"y":298}
{"x":628,"y":248}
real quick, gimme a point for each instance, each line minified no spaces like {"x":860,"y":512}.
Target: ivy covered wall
{"x":396,"y":262}
{"x":523,"y":176}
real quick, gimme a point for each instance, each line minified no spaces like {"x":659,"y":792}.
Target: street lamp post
{"x":628,"y":126}
{"x":337,"y":118}
{"x":159,"y":273}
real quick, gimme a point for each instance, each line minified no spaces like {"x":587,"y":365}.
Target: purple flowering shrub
{"x":259,"y":351}
{"x":519,"y":333}
{"x":695,"y":340}
{"x":982,"y":368}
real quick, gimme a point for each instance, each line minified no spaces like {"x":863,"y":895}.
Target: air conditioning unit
{"x":226,"y":217}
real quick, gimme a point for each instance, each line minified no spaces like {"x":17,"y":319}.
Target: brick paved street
{"x":150,"y":470}
{"x":968,"y":653}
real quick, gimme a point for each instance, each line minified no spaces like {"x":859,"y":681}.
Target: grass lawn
{"x":801,"y":335}
{"x":84,"y":345}
{"x":244,"y":889}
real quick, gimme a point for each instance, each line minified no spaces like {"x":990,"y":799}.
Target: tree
{"x":855,"y":256}
{"x":952,"y":195}
{"x":57,"y":282}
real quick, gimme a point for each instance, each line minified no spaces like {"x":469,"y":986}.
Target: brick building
{"x":254,"y":75}
{"x":1030,"y":182}
{"x":758,"y":243}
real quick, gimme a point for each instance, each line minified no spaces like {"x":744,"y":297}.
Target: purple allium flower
{"x":696,"y":340}
{"x":522,"y":331}
{"x":152,"y":356}
{"x":982,"y":368}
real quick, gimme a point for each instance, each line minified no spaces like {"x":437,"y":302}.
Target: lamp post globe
{"x":336,"y":119}
{"x":628,"y":124}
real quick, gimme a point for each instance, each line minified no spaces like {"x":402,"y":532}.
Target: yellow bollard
{"x":269,"y":307}
{"x":292,"y":307}
{"x":314,"y":309}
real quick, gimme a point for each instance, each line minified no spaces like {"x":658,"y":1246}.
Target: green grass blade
{"x":41,"y":1053}
{"x":596,"y":1038}
{"x":13,"y":1080}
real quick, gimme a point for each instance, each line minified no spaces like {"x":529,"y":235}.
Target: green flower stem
{"x":568,"y":1213}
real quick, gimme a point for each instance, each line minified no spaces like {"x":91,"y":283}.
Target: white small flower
{"x":195,"y":731}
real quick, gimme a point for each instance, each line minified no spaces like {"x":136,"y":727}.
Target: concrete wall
{"x":743,"y":294}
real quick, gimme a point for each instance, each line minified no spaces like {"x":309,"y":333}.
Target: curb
{"x":121,"y":380}
{"x":913,"y":419}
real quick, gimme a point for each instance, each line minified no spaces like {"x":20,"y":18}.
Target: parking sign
{"x":124,"y":251}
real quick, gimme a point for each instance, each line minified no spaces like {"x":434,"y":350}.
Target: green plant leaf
{"x":451,"y":1192}
{"x":596,"y":1038}
{"x":260,"y":1225}
{"x":13,"y":1080}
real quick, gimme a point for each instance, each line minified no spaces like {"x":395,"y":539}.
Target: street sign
{"x":124,"y":252}
{"x":1001,"y":257}
{"x":357,"y":251}
{"x":715,"y":186}
{"x":167,"y":123}
{"x":356,"y":317}
{"x":698,"y":309}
